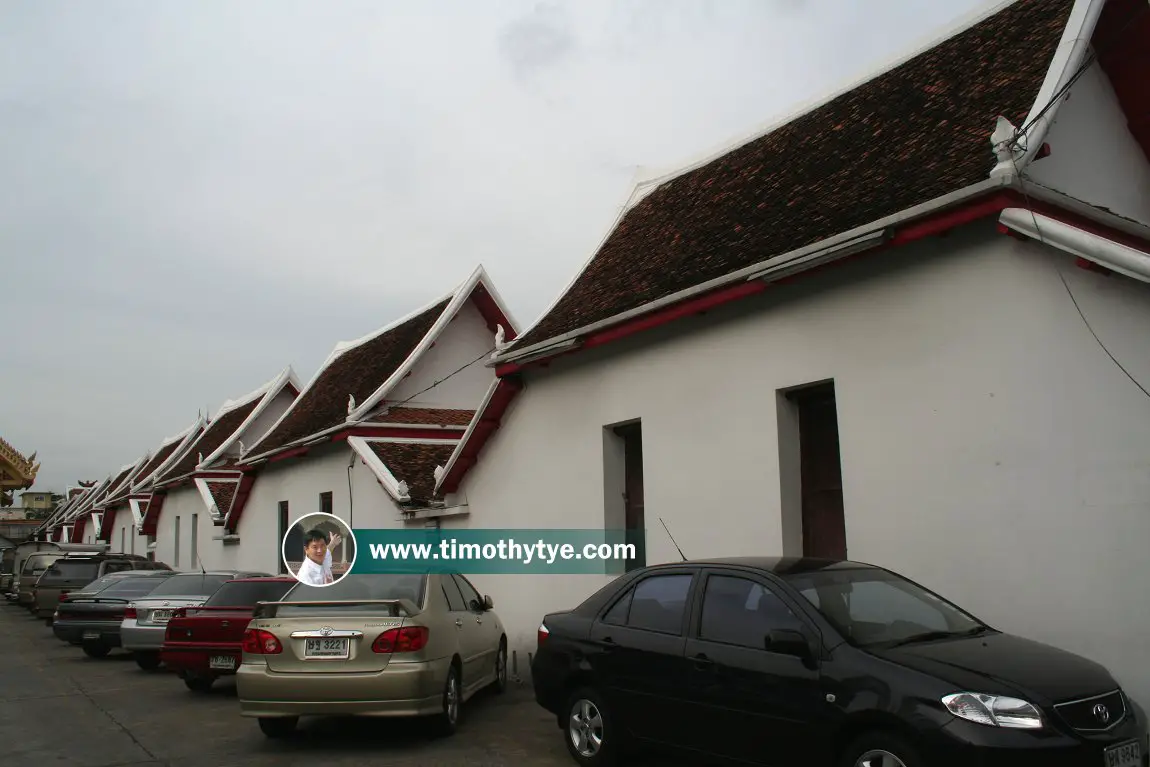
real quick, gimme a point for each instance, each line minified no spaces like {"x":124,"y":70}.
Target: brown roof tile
{"x":161,"y":455}
{"x":210,"y":440}
{"x":425,"y":415}
{"x":910,"y":135}
{"x":414,"y":464}
{"x":358,"y":371}
{"x":223,"y":493}
{"x":115,"y":484}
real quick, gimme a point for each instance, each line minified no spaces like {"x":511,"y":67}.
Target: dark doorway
{"x":634,"y":519}
{"x":823,"y":518}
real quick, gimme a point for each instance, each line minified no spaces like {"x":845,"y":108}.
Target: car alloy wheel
{"x":451,"y":699}
{"x":585,"y":728}
{"x":501,"y":669}
{"x":879,"y":758}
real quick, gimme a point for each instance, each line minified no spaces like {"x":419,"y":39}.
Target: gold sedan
{"x":371,"y":645}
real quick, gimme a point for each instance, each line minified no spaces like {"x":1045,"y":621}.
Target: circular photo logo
{"x":318,"y":549}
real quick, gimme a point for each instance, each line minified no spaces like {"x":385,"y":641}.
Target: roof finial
{"x":350,"y":403}
{"x":500,"y":335}
{"x":243,"y":449}
{"x":1008,"y":145}
{"x":199,"y":458}
{"x":438,"y":474}
{"x":403,"y":489}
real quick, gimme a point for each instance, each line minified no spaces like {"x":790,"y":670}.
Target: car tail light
{"x":260,"y":642}
{"x":130,"y":613}
{"x":406,"y":639}
{"x":544,"y":632}
{"x":62,"y":595}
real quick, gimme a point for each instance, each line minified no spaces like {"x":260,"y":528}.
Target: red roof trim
{"x":936,"y":224}
{"x":393,"y":432}
{"x":491,"y":313}
{"x":107,"y":523}
{"x":78,"y":529}
{"x":152,"y":516}
{"x":489,"y":422}
{"x":239,"y":502}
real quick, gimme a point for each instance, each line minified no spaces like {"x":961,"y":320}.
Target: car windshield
{"x":247,"y":593}
{"x":355,"y":587}
{"x":871,"y":607}
{"x":191,"y":585}
{"x":69,"y":569}
{"x":131,"y":588}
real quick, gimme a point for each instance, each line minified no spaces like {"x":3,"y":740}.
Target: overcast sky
{"x":195,"y":194}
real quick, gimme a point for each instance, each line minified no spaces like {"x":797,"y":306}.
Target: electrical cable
{"x":1090,"y":60}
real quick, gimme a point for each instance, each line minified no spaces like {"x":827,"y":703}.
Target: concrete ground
{"x":60,"y":708}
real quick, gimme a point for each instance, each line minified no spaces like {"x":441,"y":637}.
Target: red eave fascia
{"x":489,"y":422}
{"x":239,"y":503}
{"x":106,"y":523}
{"x":933,"y":225}
{"x":152,"y":516}
{"x":400,"y":432}
{"x":78,"y":529}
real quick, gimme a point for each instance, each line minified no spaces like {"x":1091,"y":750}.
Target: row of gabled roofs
{"x":348,"y":398}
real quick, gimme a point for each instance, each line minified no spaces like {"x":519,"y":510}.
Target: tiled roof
{"x":223,"y":493}
{"x":162,"y":455}
{"x":413,"y":463}
{"x":214,"y":436}
{"x":358,"y":371}
{"x":910,"y":135}
{"x":116,"y":482}
{"x":425,"y":415}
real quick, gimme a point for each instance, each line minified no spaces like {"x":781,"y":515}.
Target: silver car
{"x":146,"y":620}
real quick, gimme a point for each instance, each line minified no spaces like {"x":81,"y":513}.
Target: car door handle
{"x":479,"y":620}
{"x":458,"y":621}
{"x":607,"y":643}
{"x":703,"y":663}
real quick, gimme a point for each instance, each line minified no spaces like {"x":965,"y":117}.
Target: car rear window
{"x":191,"y":585}
{"x":65,"y":569}
{"x":37,"y":565}
{"x":350,"y":587}
{"x":247,"y":593}
{"x":131,"y":588}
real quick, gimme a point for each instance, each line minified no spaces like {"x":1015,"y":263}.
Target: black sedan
{"x":91,"y":618}
{"x":783,"y":661}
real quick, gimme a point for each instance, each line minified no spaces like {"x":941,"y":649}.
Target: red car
{"x":202,"y":643}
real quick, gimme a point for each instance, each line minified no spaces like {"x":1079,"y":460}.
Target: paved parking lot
{"x":60,"y":708}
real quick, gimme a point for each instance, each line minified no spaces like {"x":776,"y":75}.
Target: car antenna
{"x":664,"y":524}
{"x":200,"y":562}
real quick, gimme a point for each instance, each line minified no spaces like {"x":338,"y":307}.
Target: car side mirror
{"x":789,"y":642}
{"x":487,"y":603}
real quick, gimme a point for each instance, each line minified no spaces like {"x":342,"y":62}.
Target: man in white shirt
{"x":315,"y":570}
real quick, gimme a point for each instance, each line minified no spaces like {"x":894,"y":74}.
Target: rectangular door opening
{"x":823,"y":518}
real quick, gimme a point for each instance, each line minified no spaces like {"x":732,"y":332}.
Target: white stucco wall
{"x":183,"y":502}
{"x":125,"y":535}
{"x":299,"y":481}
{"x":1093,"y":156}
{"x":465,"y":338}
{"x":990,"y":448}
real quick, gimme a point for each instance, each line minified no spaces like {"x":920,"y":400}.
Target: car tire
{"x":880,"y":748}
{"x":96,"y":650}
{"x":148,"y":661}
{"x":278,"y":726}
{"x":500,"y":684}
{"x":589,"y":729}
{"x":198,"y":683}
{"x":48,"y":622}
{"x":447,"y":721}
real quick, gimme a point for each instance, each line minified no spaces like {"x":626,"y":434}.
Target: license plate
{"x":225,"y":662}
{"x":1124,"y":755}
{"x":327,"y":648}
{"x":91,"y":635}
{"x":160,"y":616}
